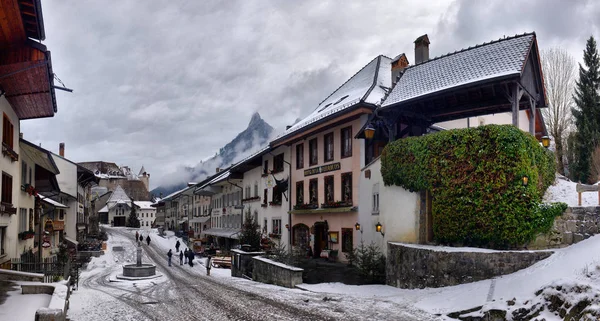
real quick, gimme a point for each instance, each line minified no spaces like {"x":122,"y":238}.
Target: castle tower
{"x":144,"y":177}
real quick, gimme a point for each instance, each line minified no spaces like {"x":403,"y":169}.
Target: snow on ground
{"x":22,"y":306}
{"x":564,"y":191}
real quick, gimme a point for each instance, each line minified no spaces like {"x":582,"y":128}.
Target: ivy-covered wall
{"x":476,"y":179}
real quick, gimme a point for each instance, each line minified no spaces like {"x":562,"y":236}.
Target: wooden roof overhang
{"x":484,"y":97}
{"x":327,"y":122}
{"x":27,"y":80}
{"x":45,"y":168}
{"x":19,"y":20}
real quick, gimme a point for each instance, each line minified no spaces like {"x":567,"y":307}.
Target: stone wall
{"x":20,"y":276}
{"x":575,"y":225}
{"x":242,"y":263}
{"x":410,"y":266}
{"x":271,"y":272}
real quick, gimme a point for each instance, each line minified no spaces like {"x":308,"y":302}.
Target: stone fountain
{"x":138,"y":270}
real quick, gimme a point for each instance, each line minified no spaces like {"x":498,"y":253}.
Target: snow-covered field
{"x":564,"y":191}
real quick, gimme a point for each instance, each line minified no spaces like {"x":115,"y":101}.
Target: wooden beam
{"x":532,"y":118}
{"x":516,"y":96}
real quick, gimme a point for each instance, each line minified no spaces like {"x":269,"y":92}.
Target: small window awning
{"x":45,"y":168}
{"x":222,"y":232}
{"x":200,"y":219}
{"x":52,"y":202}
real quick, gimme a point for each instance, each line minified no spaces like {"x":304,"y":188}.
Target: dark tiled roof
{"x":499,"y":58}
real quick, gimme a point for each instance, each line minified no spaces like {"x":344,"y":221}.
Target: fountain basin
{"x":143,"y":270}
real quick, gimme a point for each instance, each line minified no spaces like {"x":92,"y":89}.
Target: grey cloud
{"x":165,"y":84}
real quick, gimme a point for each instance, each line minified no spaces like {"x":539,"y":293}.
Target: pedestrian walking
{"x":141,"y":238}
{"x":170,"y":254}
{"x":208,"y":264}
{"x":148,"y":239}
{"x":177,"y":246}
{"x":181,"y":258}
{"x":191,"y":259}
{"x":185,"y":256}
{"x":137,"y":236}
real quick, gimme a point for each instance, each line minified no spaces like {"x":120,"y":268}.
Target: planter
{"x":336,"y":204}
{"x":250,"y":199}
{"x":26,"y":235}
{"x":264,"y":205}
{"x":275,"y":203}
{"x":306,"y":206}
{"x":7,"y":151}
{"x":274,"y":236}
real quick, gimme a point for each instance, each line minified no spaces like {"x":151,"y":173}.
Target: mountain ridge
{"x":256,"y":135}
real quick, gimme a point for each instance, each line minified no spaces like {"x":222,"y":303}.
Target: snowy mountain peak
{"x":256,"y":119}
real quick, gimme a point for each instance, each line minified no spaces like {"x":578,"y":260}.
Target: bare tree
{"x":559,"y":77}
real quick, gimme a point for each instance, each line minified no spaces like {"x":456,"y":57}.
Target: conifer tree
{"x":133,"y":220}
{"x":250,"y":233}
{"x":586,"y":114}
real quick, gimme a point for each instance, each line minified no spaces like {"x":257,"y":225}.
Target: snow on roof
{"x":490,"y":60}
{"x":142,"y":171}
{"x":258,"y":153}
{"x":144,"y":205}
{"x":104,"y":209}
{"x":53,"y":202}
{"x":369,"y":85}
{"x":168,"y":197}
{"x":118,"y":195}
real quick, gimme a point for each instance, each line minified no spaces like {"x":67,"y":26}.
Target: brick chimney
{"x":61,"y":149}
{"x":421,"y":49}
{"x":218,"y":170}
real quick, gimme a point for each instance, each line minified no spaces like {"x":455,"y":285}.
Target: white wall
{"x":398,"y":210}
{"x":10,"y":223}
{"x":276,"y":211}
{"x":67,"y":178}
{"x":146,"y":217}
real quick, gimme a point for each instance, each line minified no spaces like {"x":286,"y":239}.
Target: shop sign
{"x":322,"y":169}
{"x":58,"y":225}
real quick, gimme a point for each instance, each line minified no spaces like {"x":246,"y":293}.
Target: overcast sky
{"x":166,"y":83}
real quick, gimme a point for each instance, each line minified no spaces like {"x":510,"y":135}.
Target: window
{"x":2,"y":241}
{"x":22,"y":219}
{"x":347,"y":187}
{"x":266,"y":167}
{"x":313,"y":152}
{"x":61,"y":214}
{"x":30,"y":176}
{"x":313,"y":191}
{"x":329,"y":191}
{"x":265,"y":196}
{"x":299,"y":193}
{"x":6,"y":188}
{"x":265,"y":226}
{"x":347,"y":239}
{"x":375,"y":199}
{"x":346,"y":142}
{"x":7,"y":132}
{"x":255,"y":189}
{"x":300,"y":156}
{"x":276,"y":226}
{"x":23,"y":173}
{"x":276,"y":195}
{"x":328,"y":147}
{"x":278,"y":163}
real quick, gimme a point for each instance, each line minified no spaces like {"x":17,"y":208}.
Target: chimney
{"x":421,"y":49}
{"x":21,"y":135}
{"x":218,"y":170}
{"x":61,"y":149}
{"x":288,"y":127}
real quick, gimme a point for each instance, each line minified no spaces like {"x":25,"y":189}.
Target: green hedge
{"x":476,"y":179}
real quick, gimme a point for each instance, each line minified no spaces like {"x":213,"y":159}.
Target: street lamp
{"x":357,"y":226}
{"x":546,"y":141}
{"x":378,"y":227}
{"x":525,"y":180}
{"x":369,"y":131}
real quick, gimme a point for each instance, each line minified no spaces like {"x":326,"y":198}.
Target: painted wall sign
{"x":322,"y":169}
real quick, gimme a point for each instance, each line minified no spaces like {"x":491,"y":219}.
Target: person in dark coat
{"x":185,"y":256}
{"x":170,"y":254}
{"x":137,"y":236}
{"x":141,"y":238}
{"x":177,"y":245}
{"x":208,"y":264}
{"x":191,"y":258}
{"x":181,"y":258}
{"x":148,"y":239}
